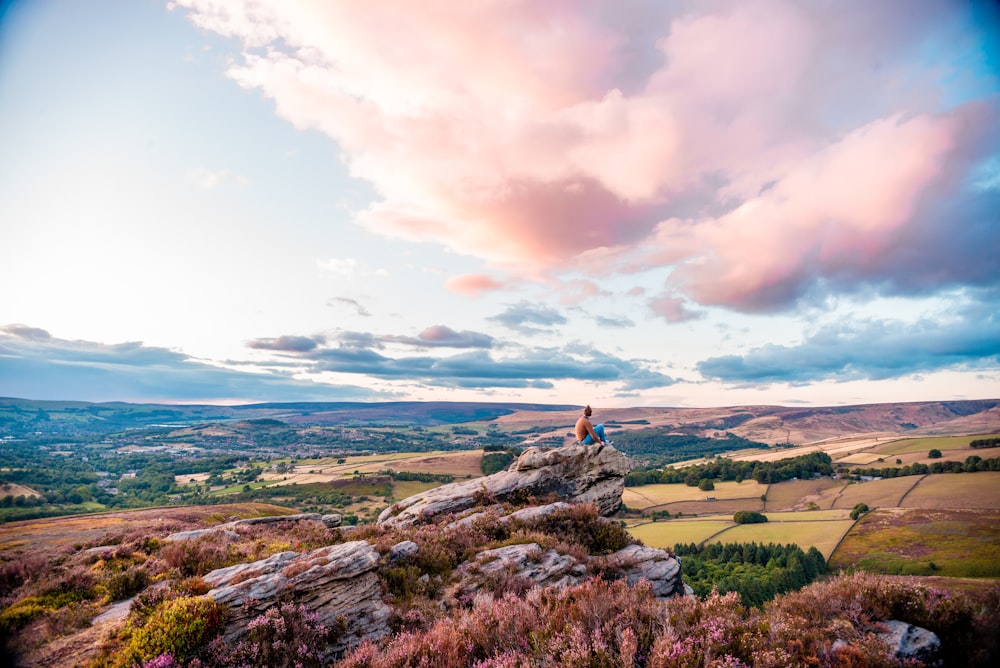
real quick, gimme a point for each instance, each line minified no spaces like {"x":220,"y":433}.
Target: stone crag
{"x":337,"y":582}
{"x":581,"y":473}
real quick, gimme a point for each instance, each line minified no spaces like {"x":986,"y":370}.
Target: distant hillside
{"x":23,"y":416}
{"x":765,"y":424}
{"x":781,"y":424}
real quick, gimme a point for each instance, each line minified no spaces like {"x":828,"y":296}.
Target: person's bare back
{"x":586,"y":432}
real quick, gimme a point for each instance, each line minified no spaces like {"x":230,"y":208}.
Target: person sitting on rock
{"x":587,"y":433}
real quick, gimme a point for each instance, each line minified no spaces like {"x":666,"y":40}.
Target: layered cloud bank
{"x":762,"y":152}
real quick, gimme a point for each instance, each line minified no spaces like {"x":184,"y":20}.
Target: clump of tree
{"x":803,"y":466}
{"x":749,"y":517}
{"x":859,"y":510}
{"x":659,"y":446}
{"x":934,"y":453}
{"x":757,"y":572}
{"x":985,"y":443}
{"x":419,"y":477}
{"x":497,"y":458}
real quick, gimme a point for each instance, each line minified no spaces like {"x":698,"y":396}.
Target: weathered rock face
{"x":337,"y":582}
{"x":546,"y":568}
{"x":907,"y":641}
{"x":662,"y":569}
{"x":583,"y":473}
{"x":549,"y":568}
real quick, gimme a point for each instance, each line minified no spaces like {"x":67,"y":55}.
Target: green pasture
{"x":402,"y":489}
{"x":667,"y":533}
{"x":918,"y":541}
{"x":821,"y":534}
{"x":925,"y":444}
{"x":821,"y":529}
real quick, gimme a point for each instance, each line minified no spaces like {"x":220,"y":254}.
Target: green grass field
{"x":670,"y":532}
{"x":821,"y":534}
{"x":402,"y":489}
{"x":916,"y":541}
{"x":821,"y":529}
{"x":925,"y":444}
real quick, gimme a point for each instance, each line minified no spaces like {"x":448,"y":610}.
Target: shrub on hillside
{"x":748,"y":517}
{"x":285,"y":636}
{"x":198,"y":557}
{"x":179,"y":626}
{"x":581,"y":524}
{"x":934,"y":454}
{"x":859,"y":510}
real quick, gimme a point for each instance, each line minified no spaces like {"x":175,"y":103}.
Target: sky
{"x":631,"y":203}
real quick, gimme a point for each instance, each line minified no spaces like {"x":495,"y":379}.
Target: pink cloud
{"x":756,"y":148}
{"x":838,"y":211}
{"x":472,"y":285}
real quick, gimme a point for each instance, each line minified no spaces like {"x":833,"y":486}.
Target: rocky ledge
{"x":339,"y":583}
{"x":582,"y":473}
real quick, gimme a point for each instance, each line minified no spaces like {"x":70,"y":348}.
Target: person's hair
{"x":587,"y":411}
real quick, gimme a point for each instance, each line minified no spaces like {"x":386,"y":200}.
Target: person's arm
{"x":593,"y":434}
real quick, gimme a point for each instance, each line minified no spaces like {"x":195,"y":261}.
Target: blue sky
{"x":695,"y":204}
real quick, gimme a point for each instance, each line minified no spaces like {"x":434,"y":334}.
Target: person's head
{"x":588,"y":411}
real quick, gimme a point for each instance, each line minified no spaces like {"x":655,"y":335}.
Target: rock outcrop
{"x":549,"y":568}
{"x":582,"y":473}
{"x":659,"y":567}
{"x":546,"y":568}
{"x":907,"y":641}
{"x":337,"y":582}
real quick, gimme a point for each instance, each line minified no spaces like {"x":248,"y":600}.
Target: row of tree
{"x":971,"y":464}
{"x":803,"y":466}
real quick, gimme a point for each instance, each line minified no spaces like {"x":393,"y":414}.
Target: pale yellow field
{"x":15,"y":490}
{"x":956,"y":491}
{"x":822,"y":534}
{"x":884,"y":493}
{"x":729,"y":506}
{"x":668,"y":533}
{"x":649,"y":496}
{"x":837,"y":448}
{"x":810,"y":515}
{"x":461,"y":464}
{"x":795,"y":493}
{"x":192,"y":478}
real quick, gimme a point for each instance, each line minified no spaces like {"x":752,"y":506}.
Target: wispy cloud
{"x":36,"y":365}
{"x":868,"y":349}
{"x":441,"y":336}
{"x":472,"y":285}
{"x":296,"y":344}
{"x":354,"y":304}
{"x":208,"y":179}
{"x":478,"y":369}
{"x":529,"y":319}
